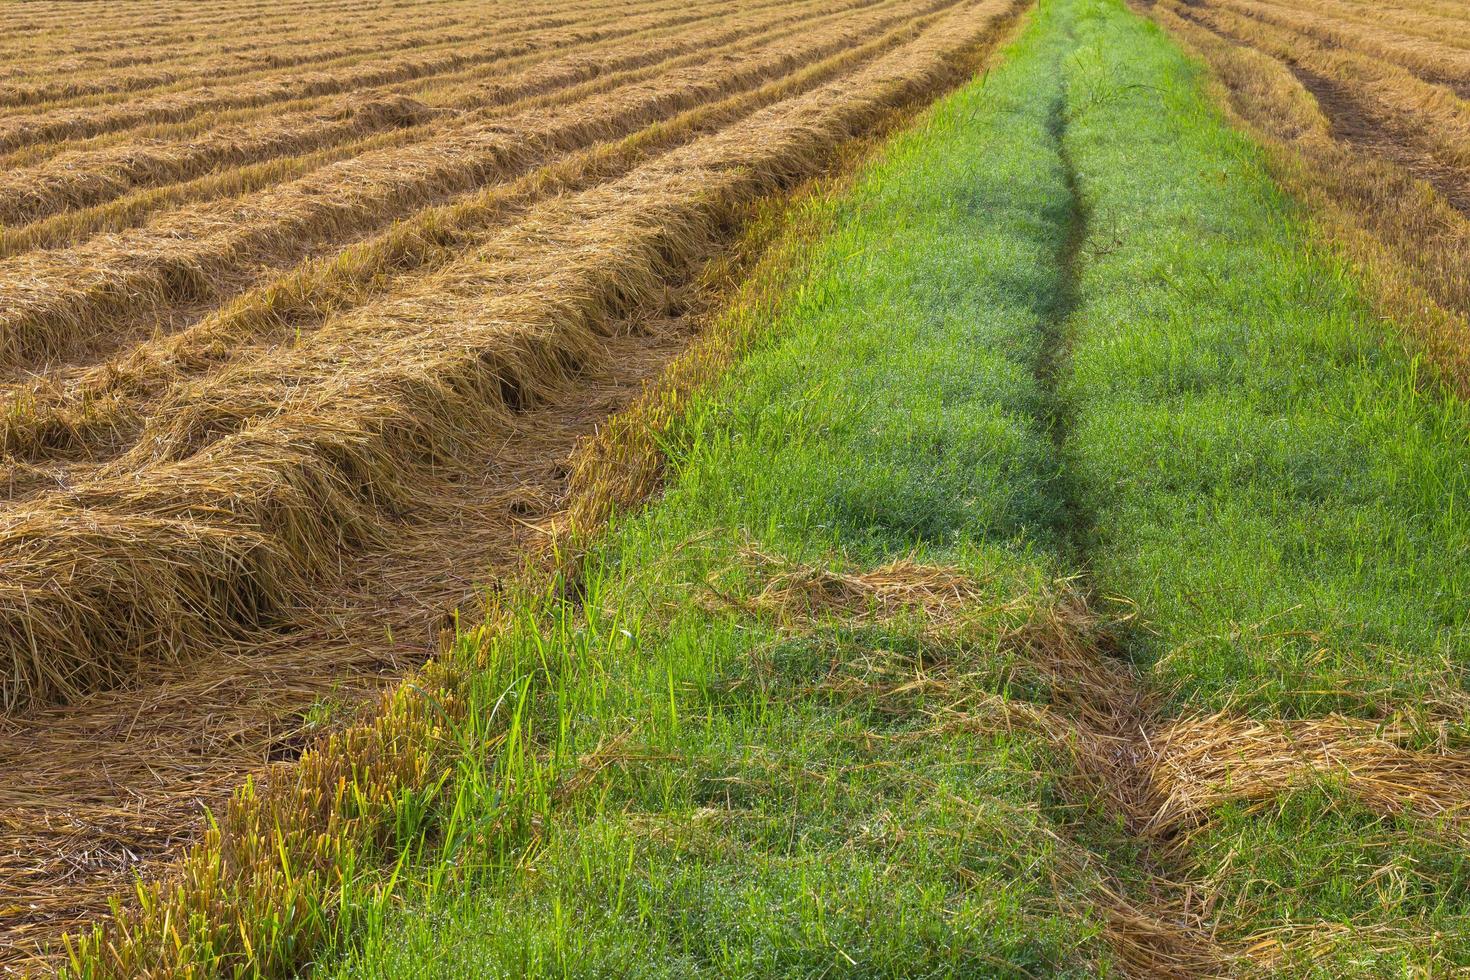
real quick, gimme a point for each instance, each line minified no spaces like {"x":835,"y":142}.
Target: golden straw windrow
{"x":226,"y":27}
{"x":438,"y":89}
{"x":82,"y":178}
{"x":206,"y":252}
{"x":1432,"y":57}
{"x":267,"y":364}
{"x":98,"y":414}
{"x":511,"y":38}
{"x":1397,"y":23}
{"x":197,"y":75}
{"x":18,"y":130}
{"x":202,"y":253}
{"x":257,"y":42}
{"x":128,"y":82}
{"x":84,"y":414}
{"x":1198,"y":764}
{"x":288,"y":50}
{"x":269,"y":471}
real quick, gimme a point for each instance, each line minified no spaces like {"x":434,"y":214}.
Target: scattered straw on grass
{"x":1203,"y":763}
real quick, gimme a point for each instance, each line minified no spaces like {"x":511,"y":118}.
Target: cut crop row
{"x":231,"y":537}
{"x":437,"y":89}
{"x":1373,"y":192}
{"x":200,"y":254}
{"x":19,"y":130}
{"x":58,"y":189}
{"x":87,"y":178}
{"x":203,"y":253}
{"x":91,"y":416}
{"x":1431,"y":59}
{"x":1398,"y":21}
{"x":1440,"y":132}
{"x":93,"y":87}
{"x":75,"y":30}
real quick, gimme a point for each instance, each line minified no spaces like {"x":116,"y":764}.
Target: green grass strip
{"x":1265,"y":476}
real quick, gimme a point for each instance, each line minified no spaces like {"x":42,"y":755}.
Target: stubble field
{"x":299,"y":302}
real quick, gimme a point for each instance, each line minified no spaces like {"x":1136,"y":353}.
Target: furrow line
{"x":1398,"y":23}
{"x":148,"y":29}
{"x":88,"y":178}
{"x":1372,"y":190}
{"x":54,"y":300}
{"x":21,"y":130}
{"x":650,"y":16}
{"x":60,"y":91}
{"x":1441,"y":130}
{"x":1429,"y":60}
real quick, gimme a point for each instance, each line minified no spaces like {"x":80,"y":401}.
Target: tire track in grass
{"x":940,"y":425}
{"x":1156,"y":930}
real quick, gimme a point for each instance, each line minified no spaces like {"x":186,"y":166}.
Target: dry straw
{"x":297,"y":460}
{"x":200,"y":253}
{"x":86,"y":121}
{"x":1200,"y":764}
{"x":1164,"y":779}
{"x":87,"y":177}
{"x":87,"y":417}
{"x":1097,"y":718}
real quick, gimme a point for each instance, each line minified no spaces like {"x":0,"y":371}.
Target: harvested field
{"x":303,"y":309}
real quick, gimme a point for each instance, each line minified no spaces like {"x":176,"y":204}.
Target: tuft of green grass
{"x":1349,"y":891}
